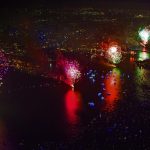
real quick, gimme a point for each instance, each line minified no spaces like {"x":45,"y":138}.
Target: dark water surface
{"x":108,"y":109}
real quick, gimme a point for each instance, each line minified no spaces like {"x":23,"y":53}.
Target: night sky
{"x":74,"y":3}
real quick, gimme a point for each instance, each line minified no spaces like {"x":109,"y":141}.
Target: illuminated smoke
{"x":113,"y":54}
{"x":68,"y":71}
{"x":72,"y":72}
{"x":144,"y":35}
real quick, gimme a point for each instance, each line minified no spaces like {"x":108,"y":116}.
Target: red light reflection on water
{"x":113,"y":88}
{"x":72,"y":105}
{"x":132,"y":59}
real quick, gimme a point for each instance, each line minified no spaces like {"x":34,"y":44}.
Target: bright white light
{"x":113,"y":49}
{"x":144,"y":35}
{"x":113,"y":54}
{"x":73,"y":72}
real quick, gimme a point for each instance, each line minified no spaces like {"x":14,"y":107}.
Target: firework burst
{"x":68,"y":70}
{"x":72,"y":72}
{"x":113,"y":54}
{"x":144,"y":35}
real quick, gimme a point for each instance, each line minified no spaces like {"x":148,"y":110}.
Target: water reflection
{"x":113,"y":88}
{"x":143,"y":56}
{"x":142,"y":83}
{"x":132,"y":59}
{"x":73,"y":106}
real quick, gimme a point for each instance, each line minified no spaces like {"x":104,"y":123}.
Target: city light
{"x":3,"y":66}
{"x":75,"y":75}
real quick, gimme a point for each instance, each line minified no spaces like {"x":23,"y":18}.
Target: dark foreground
{"x":108,"y":109}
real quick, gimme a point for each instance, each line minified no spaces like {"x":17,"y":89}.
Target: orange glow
{"x":112,"y":92}
{"x":73,"y":105}
{"x":132,"y":59}
{"x":132,"y":52}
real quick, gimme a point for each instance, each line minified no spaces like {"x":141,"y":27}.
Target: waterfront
{"x":75,"y":75}
{"x":108,"y":108}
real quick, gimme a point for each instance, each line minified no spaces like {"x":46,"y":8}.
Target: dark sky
{"x":74,"y":3}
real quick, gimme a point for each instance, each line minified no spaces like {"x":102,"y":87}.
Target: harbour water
{"x":108,"y":108}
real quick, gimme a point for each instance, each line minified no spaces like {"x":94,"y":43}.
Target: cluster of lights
{"x":143,"y":56}
{"x":3,"y":66}
{"x":144,"y":35}
{"x":113,"y":54}
{"x":91,"y":74}
{"x":72,"y":72}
